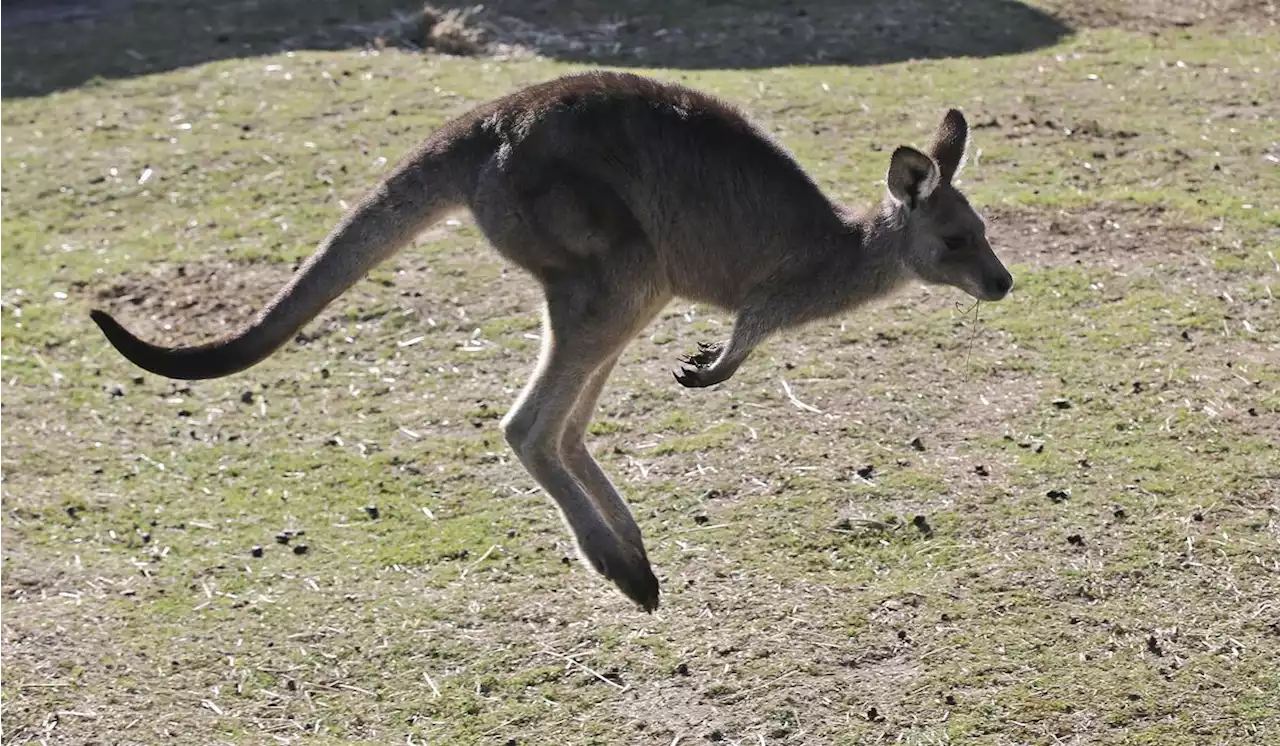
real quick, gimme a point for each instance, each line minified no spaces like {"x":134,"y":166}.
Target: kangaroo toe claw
{"x":629,"y":569}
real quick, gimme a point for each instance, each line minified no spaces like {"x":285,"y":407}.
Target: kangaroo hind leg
{"x":581,"y":334}
{"x":601,"y":284}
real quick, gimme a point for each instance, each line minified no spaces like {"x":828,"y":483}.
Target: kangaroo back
{"x":435,"y":180}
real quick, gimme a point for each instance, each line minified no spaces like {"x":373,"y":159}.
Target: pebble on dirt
{"x":300,"y":549}
{"x":257,"y":550}
{"x":371,"y":511}
{"x":917,"y":444}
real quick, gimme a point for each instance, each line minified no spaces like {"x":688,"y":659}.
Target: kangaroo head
{"x":945,"y":238}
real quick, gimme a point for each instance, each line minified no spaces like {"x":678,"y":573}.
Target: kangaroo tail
{"x":421,"y":190}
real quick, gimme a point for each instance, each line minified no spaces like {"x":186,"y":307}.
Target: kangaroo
{"x":618,"y":193}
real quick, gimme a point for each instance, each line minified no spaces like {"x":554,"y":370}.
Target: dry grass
{"x":1056,"y":526}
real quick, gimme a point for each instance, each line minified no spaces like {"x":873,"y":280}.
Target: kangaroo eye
{"x":954,"y":244}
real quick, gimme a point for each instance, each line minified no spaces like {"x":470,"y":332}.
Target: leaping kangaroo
{"x":617,"y":193}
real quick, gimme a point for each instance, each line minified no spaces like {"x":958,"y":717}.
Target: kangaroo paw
{"x":627,"y":567}
{"x":705,"y":356}
{"x":697,"y":369}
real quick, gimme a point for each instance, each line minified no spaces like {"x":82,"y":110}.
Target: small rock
{"x":1061,"y":404}
{"x":1119,"y":514}
{"x":257,"y":551}
{"x":917,"y":444}
{"x":1154,"y":646}
{"x":874,"y":715}
{"x":1058,"y":496}
{"x":922,"y":523}
{"x":981,"y":470}
{"x":951,"y":700}
{"x":371,"y":511}
{"x":247,"y":397}
{"x":511,"y":533}
{"x":683,"y":669}
{"x":1197,"y":517}
{"x":701,"y":520}
{"x":1076,"y":540}
{"x":866,"y":471}
{"x":283,"y":537}
{"x":115,"y":390}
{"x":300,"y":549}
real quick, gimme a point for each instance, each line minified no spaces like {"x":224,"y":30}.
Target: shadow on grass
{"x":50,"y":45}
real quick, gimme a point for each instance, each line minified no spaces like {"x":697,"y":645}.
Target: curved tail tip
{"x":134,"y":349}
{"x":102,"y":319}
{"x":110,"y":327}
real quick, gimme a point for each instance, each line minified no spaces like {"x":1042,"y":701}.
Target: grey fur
{"x":618,"y":193}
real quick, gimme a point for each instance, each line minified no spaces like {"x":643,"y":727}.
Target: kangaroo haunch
{"x":618,"y":193}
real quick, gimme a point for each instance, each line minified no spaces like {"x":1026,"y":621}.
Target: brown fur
{"x":618,"y":193}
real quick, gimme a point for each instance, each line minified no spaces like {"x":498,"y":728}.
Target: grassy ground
{"x":1095,"y":463}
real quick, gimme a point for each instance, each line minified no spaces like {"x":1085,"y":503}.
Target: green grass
{"x":1134,"y":370}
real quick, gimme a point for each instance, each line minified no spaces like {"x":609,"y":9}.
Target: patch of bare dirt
{"x":189,"y":303}
{"x":733,"y":34}
{"x":183,"y":302}
{"x":1123,"y":237}
{"x":1156,"y":15}
{"x":725,"y":34}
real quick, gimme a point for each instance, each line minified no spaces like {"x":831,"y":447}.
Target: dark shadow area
{"x":50,"y":45}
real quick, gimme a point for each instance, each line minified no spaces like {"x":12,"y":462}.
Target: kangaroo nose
{"x":1001,"y":286}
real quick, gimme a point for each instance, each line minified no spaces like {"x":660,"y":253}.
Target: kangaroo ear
{"x":912,"y":176}
{"x":949,"y":144}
